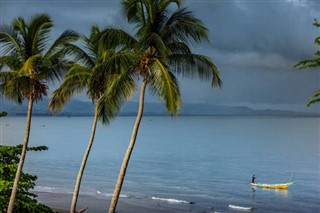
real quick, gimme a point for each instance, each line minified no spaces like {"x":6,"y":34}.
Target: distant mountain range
{"x":85,"y":108}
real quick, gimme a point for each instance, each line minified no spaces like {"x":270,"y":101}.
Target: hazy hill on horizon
{"x":85,"y":108}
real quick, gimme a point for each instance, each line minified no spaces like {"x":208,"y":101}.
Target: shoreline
{"x":60,"y":202}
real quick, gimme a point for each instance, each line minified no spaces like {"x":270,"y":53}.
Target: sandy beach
{"x":61,"y":203}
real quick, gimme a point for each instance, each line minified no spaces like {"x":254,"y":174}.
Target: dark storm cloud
{"x":254,"y":43}
{"x":265,"y":27}
{"x":77,"y":15}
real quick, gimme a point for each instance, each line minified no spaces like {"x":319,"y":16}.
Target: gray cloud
{"x":254,"y":44}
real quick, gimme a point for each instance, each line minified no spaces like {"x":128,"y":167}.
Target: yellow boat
{"x":272,"y":186}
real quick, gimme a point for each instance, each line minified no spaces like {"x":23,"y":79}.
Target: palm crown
{"x":100,"y":66}
{"x":30,"y":63}
{"x":164,"y":39}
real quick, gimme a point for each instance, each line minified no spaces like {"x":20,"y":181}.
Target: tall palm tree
{"x":27,"y":65}
{"x":164,"y":39}
{"x":100,"y":66}
{"x":312,"y":63}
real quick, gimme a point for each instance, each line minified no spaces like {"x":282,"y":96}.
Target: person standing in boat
{"x":253,"y":178}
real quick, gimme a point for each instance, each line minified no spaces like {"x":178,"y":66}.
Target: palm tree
{"x":30,"y":64}
{"x":312,"y":63}
{"x":100,"y":67}
{"x":164,"y":39}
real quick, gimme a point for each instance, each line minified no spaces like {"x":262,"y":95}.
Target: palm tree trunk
{"x":22,"y":157}
{"x":126,"y":158}
{"x":83,"y":164}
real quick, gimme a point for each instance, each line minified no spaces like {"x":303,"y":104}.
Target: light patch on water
{"x":44,"y":189}
{"x":170,"y":200}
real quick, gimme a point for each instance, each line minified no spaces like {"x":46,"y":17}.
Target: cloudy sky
{"x":254,"y":43}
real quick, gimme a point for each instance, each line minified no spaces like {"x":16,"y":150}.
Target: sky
{"x":254,"y":43}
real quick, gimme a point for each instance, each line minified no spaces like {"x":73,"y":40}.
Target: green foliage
{"x":312,"y":63}
{"x":164,"y":36}
{"x":99,"y":66}
{"x":27,"y":65}
{"x":25,"y":201}
{"x":3,"y":114}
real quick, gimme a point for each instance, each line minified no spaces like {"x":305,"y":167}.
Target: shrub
{"x":25,"y":200}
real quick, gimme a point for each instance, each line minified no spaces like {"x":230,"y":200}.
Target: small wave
{"x":111,"y":194}
{"x":44,"y":189}
{"x":171,"y":200}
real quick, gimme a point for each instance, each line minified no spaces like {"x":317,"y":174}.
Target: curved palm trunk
{"x":126,"y":158}
{"x":22,"y":157}
{"x":83,"y":164}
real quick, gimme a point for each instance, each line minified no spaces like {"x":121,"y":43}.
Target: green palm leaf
{"x":112,"y":38}
{"x":29,"y":67}
{"x":75,"y":82}
{"x":164,"y":84}
{"x":10,"y":40}
{"x":14,"y":86}
{"x":66,"y":38}
{"x":11,"y":62}
{"x":185,"y":64}
{"x":80,"y":55}
{"x":182,"y":26}
{"x":120,"y":87}
{"x":312,"y":63}
{"x":315,"y":98}
{"x":39,"y":32}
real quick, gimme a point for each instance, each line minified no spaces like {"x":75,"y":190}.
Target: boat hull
{"x":272,"y":186}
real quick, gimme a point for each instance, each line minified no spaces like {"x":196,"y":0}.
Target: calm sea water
{"x":205,"y":161}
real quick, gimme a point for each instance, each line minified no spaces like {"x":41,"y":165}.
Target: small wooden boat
{"x":273,"y":186}
{"x":243,"y":208}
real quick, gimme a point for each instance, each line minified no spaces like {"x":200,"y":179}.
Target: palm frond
{"x":75,"y":82}
{"x":315,"y":98}
{"x":154,"y":40}
{"x":11,"y":62}
{"x":182,"y":26}
{"x":179,"y":48}
{"x":10,"y":40}
{"x":15,"y":87}
{"x":80,"y":55}
{"x":54,"y":67}
{"x":133,"y":10}
{"x":20,"y":26}
{"x":30,"y":66}
{"x":164,"y":4}
{"x":164,"y":84}
{"x":120,"y":87}
{"x":193,"y":65}
{"x":112,"y":38}
{"x":39,"y":32}
{"x":310,"y":63}
{"x":65,"y":38}
{"x":6,"y":76}
{"x":115,"y":63}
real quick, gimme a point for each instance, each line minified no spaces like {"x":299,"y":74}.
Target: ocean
{"x":187,"y":163}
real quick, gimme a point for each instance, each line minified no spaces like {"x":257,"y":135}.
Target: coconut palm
{"x":100,"y":66}
{"x":28,"y":63}
{"x":312,"y":63}
{"x":164,"y":39}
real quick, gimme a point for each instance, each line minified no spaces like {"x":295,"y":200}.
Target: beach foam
{"x":170,"y":200}
{"x":44,"y":189}
{"x":109,"y":195}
